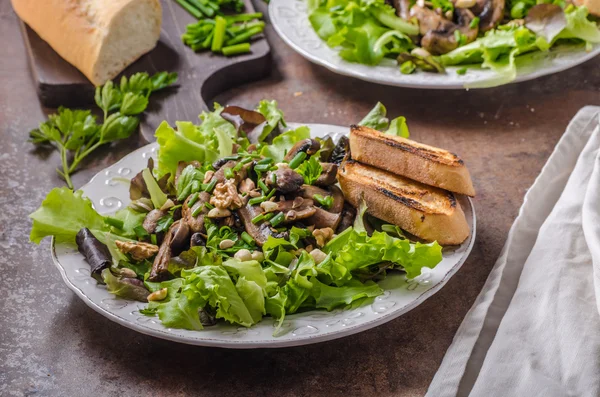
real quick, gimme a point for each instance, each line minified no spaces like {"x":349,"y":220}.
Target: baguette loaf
{"x":427,"y":212}
{"x":98,"y":37}
{"x":423,"y":163}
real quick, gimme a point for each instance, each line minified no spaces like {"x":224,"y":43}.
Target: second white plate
{"x":290,"y":20}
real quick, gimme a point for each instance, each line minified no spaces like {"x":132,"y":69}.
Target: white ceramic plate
{"x":290,"y":20}
{"x":108,"y":192}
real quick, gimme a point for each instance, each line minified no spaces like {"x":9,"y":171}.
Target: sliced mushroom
{"x":340,"y":151}
{"x":299,"y":213}
{"x":322,"y":219}
{"x":402,"y":8}
{"x":151,"y":220}
{"x":439,"y":35}
{"x":196,"y":223}
{"x":286,"y":180}
{"x":261,"y":232}
{"x":296,"y":209}
{"x":246,"y":186}
{"x":347,"y":220}
{"x":197,"y":240}
{"x":328,"y":175}
{"x":176,"y":239}
{"x":490,"y":13}
{"x":309,"y":146}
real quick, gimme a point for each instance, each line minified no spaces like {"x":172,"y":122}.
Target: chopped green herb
{"x":218,"y":34}
{"x":266,"y":160}
{"x":248,"y":238}
{"x":114,"y":222}
{"x":262,"y":186}
{"x":198,"y":210}
{"x":256,"y":200}
{"x":228,"y":172}
{"x":236,"y":49}
{"x":193,"y":199}
{"x":211,"y":186}
{"x":297,"y":160}
{"x":325,"y":201}
{"x":164,"y":223}
{"x":258,"y":218}
{"x":277,"y":219}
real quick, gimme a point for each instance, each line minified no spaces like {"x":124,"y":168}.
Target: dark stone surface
{"x":52,"y":344}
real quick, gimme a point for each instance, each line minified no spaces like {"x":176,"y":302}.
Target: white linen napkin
{"x":534,"y":330}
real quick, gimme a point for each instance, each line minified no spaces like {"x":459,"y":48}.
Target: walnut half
{"x":138,"y":250}
{"x":226,"y":196}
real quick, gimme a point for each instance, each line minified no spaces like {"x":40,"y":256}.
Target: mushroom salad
{"x":431,"y":35}
{"x":236,"y":218}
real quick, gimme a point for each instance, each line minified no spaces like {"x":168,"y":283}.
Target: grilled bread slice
{"x":427,"y":212}
{"x":423,"y":163}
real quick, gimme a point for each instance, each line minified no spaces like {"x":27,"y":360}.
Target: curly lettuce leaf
{"x":502,"y":50}
{"x":186,"y":143}
{"x":212,"y":285}
{"x":124,"y":288}
{"x":579,"y":26}
{"x":310,"y":170}
{"x":275,"y":307}
{"x":131,"y":219}
{"x":328,"y":297}
{"x":62,"y":214}
{"x":284,"y":142}
{"x":365,"y":31}
{"x":356,"y":250}
{"x":376,"y":118}
{"x":273,"y":115}
{"x":181,"y":312}
{"x":210,"y":140}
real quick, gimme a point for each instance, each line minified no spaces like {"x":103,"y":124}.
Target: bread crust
{"x":426,"y":164}
{"x":78,"y":30}
{"x":427,"y":212}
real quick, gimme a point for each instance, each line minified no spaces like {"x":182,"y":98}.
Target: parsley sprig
{"x":76,"y":133}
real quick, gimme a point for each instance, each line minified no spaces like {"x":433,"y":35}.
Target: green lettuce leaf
{"x":273,"y":115}
{"x":253,"y":296}
{"x":399,"y":127}
{"x":210,"y":140}
{"x":365,"y":31}
{"x":502,"y":50}
{"x":355,"y":250}
{"x":327,"y":297}
{"x":275,"y":307}
{"x":131,"y":219}
{"x":184,"y":144}
{"x":310,"y":170}
{"x":284,"y":142}
{"x":181,"y":312}
{"x":579,"y":26}
{"x":212,"y":285}
{"x":376,"y":118}
{"x":124,"y":288}
{"x":62,"y":214}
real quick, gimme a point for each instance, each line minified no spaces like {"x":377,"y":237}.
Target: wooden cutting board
{"x":202,"y":76}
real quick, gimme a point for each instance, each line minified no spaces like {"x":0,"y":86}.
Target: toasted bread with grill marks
{"x":423,"y":163}
{"x":427,"y":212}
